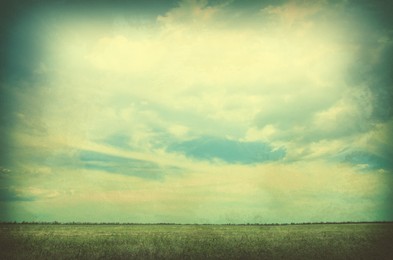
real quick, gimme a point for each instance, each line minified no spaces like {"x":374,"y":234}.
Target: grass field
{"x":313,"y":241}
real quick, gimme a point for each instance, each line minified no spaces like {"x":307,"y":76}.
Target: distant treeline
{"x":198,"y":224}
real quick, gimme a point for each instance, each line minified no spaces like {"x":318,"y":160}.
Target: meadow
{"x":308,"y":241}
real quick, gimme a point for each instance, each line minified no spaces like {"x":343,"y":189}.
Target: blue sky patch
{"x":231,"y":151}
{"x":371,"y":161}
{"x":118,"y":140}
{"x":120,"y":165}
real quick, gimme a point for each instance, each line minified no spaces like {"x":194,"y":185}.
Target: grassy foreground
{"x":314,"y":241}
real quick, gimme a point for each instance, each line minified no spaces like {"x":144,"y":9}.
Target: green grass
{"x":314,"y":241}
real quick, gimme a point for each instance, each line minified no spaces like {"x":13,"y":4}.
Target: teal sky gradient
{"x":196,"y":111}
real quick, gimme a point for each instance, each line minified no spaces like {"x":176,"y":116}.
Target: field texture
{"x":317,"y":241}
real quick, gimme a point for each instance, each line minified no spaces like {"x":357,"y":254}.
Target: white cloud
{"x":280,"y":77}
{"x":283,"y":81}
{"x":179,"y":131}
{"x":118,"y":54}
{"x":264,"y":134}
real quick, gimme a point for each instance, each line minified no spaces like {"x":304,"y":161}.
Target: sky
{"x":196,"y":111}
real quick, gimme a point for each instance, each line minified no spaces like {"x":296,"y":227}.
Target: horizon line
{"x":185,"y":224}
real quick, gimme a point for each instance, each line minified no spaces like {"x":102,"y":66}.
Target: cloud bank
{"x":198,"y":111}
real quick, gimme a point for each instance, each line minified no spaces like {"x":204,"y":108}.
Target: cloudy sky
{"x":196,"y":111}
